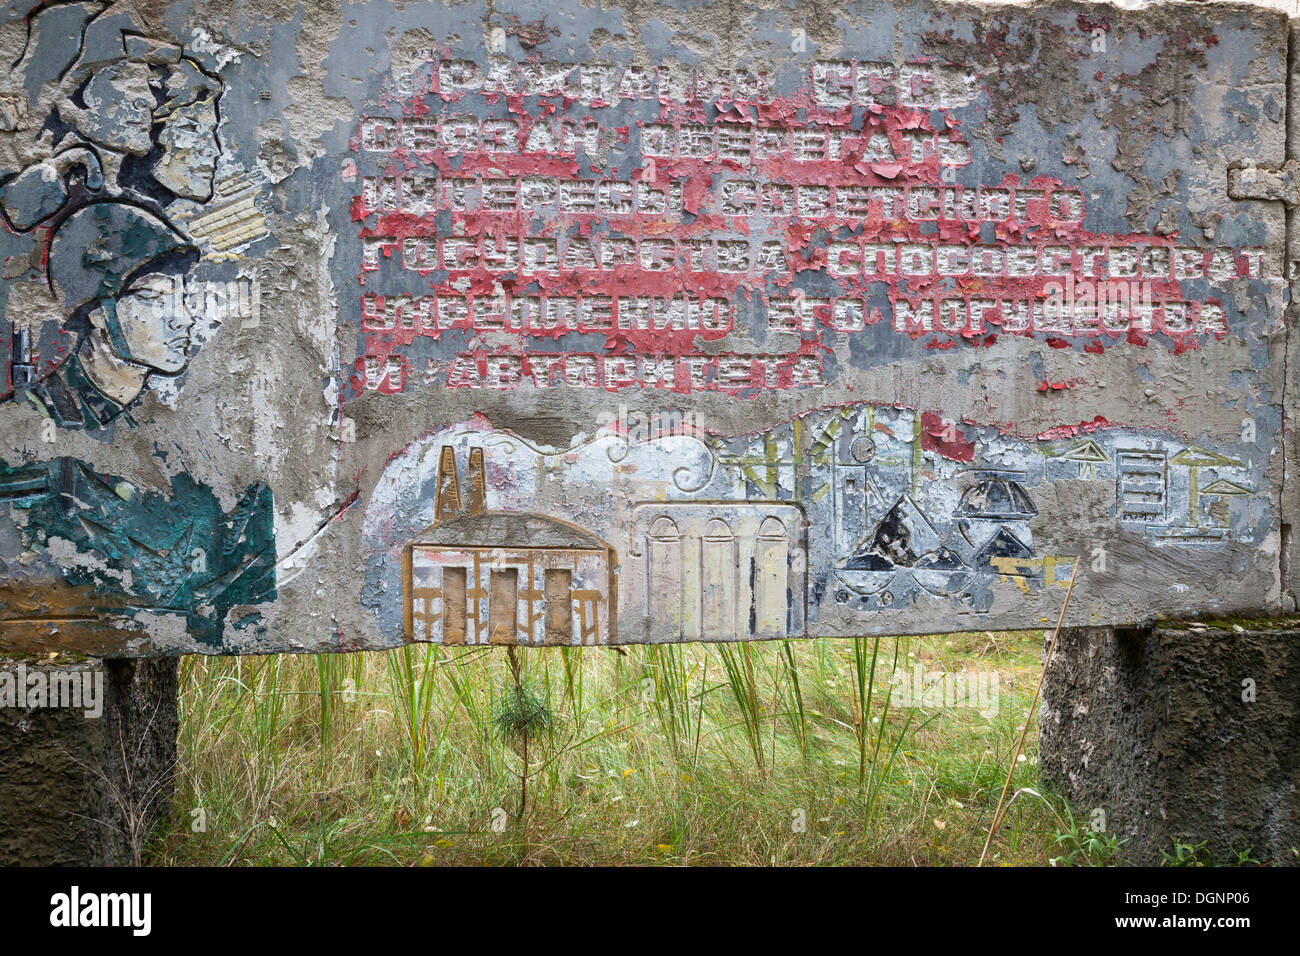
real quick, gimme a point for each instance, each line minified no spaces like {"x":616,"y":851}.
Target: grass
{"x":750,"y":754}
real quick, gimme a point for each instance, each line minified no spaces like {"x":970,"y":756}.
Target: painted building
{"x":484,"y":577}
{"x":724,"y":570}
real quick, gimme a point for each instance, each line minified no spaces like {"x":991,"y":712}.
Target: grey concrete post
{"x":87,"y":790}
{"x":1188,"y":733}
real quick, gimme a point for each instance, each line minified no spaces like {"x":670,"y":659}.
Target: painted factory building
{"x":468,"y":579}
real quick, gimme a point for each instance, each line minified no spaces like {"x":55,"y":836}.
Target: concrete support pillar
{"x":1189,"y":733}
{"x":78,"y":789}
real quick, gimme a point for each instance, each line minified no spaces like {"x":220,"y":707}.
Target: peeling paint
{"x":855,"y":318}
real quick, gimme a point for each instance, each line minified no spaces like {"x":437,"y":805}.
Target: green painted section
{"x":182,"y":552}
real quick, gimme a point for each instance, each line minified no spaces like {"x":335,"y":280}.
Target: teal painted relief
{"x":177,"y":553}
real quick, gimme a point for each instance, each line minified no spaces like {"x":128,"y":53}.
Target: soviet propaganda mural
{"x":177,"y":554}
{"x":131,"y":128}
{"x":361,"y":323}
{"x":805,"y":527}
{"x":119,"y":273}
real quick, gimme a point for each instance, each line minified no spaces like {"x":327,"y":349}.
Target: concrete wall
{"x":827,"y":270}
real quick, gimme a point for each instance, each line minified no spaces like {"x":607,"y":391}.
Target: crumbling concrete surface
{"x":342,"y":326}
{"x":814,"y":320}
{"x":86,"y":790}
{"x":1187,"y":734}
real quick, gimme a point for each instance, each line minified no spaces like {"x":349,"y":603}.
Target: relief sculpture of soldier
{"x":119,"y":274}
{"x":127,"y":137}
{"x":145,"y":111}
{"x":128,"y":127}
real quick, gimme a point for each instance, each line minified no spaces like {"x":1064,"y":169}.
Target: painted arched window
{"x":664,"y":578}
{"x":719,"y":572}
{"x":771,"y":564}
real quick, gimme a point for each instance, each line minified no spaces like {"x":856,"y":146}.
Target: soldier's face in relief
{"x":188,"y":164}
{"x":156,"y":321}
{"x":119,"y":106}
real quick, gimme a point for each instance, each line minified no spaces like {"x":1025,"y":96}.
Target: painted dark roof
{"x":996,"y":498}
{"x":509,"y":529}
